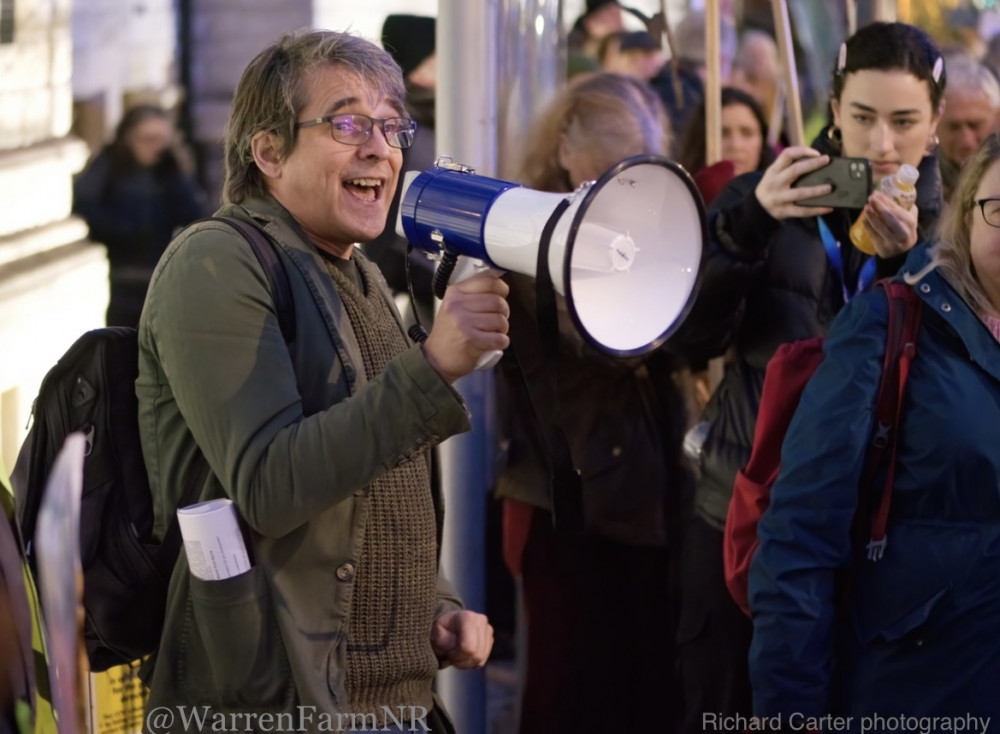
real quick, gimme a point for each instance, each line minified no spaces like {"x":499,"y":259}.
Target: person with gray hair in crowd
{"x":972,"y":104}
{"x":681,"y":83}
{"x":322,"y":443}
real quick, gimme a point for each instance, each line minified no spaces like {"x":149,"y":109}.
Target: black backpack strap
{"x":277,"y":276}
{"x":281,"y":290}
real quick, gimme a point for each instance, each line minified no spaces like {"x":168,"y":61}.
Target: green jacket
{"x":293,"y":435}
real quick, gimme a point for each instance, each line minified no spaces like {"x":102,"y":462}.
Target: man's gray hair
{"x":967,"y":75}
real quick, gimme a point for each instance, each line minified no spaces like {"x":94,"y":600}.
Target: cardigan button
{"x":345,"y":572}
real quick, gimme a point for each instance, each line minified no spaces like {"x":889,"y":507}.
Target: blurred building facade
{"x":68,"y":70}
{"x":53,"y":283}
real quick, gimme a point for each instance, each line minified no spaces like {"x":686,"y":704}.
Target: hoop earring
{"x":833,"y":135}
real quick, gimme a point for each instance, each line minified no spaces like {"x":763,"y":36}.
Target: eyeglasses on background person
{"x":991,"y":211}
{"x":355,"y":129}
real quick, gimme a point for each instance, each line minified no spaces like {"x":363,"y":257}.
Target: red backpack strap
{"x":901,"y":347}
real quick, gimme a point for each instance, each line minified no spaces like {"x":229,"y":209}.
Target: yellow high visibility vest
{"x":44,"y":720}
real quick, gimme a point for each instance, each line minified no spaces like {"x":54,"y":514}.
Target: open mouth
{"x":366,"y":189}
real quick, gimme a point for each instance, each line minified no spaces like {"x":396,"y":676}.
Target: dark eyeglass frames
{"x":355,"y":129}
{"x":991,"y":211}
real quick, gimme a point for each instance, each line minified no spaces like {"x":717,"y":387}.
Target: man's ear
{"x":266,"y":153}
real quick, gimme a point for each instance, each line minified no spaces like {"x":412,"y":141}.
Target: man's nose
{"x":377,"y":144}
{"x":971,"y":138}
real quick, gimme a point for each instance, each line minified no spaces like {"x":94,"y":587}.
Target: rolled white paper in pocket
{"x":212,"y":540}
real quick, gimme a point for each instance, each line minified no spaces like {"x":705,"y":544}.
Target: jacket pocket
{"x":892,"y":623}
{"x":241,"y":639}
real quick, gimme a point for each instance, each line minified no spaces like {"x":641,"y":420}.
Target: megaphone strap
{"x":548,"y":316}
{"x":565,"y":483}
{"x":566,"y":486}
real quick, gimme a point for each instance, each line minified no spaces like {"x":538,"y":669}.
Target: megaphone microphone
{"x":625,"y":251}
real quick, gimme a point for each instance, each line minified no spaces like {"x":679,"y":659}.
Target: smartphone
{"x":851,"y":179}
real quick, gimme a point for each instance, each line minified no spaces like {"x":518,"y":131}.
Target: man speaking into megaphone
{"x":601,"y":246}
{"x":319,"y":434}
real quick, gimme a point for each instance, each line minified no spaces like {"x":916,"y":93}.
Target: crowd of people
{"x":325,"y":444}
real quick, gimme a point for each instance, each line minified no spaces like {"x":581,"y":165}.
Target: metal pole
{"x":466,"y":122}
{"x":532,"y":67}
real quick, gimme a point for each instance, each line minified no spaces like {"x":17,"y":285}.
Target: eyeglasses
{"x":356,"y":129}
{"x":991,"y":211}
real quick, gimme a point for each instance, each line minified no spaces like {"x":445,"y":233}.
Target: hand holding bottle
{"x":888,"y":224}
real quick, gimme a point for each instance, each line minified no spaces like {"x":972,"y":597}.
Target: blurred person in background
{"x":632,"y":52}
{"x":599,"y":603}
{"x":134,"y":195}
{"x":683,"y":90}
{"x":744,"y":143}
{"x":757,"y":69}
{"x":600,"y":19}
{"x":972,"y":104}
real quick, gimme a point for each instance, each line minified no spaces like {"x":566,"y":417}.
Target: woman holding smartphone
{"x":777,"y":271}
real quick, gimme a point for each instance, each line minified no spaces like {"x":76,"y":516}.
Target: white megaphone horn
{"x":625,"y":251}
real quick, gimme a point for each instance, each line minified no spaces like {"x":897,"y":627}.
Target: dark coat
{"x":764,"y":283}
{"x":134,"y":213}
{"x":623,"y":421}
{"x":919,"y":634}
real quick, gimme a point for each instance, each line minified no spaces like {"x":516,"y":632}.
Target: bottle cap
{"x":907,"y":175}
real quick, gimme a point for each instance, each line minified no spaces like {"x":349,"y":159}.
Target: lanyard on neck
{"x":866,"y":276}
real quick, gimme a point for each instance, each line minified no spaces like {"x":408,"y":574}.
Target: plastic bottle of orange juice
{"x":901,"y":187}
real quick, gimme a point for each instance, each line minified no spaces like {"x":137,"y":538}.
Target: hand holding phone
{"x":850,"y":179}
{"x":775,"y":192}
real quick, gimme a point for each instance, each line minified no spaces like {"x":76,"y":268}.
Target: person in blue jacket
{"x":917,"y":635}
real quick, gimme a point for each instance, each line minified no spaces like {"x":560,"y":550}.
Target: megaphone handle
{"x":462,"y":268}
{"x":489,"y":360}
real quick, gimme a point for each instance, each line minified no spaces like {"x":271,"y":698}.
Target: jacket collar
{"x":939,"y":296}
{"x":279,"y":224}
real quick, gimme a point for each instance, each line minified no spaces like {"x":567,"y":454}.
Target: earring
{"x":833,"y":135}
{"x":932,"y":143}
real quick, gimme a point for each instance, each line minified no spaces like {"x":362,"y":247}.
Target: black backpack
{"x":91,"y":389}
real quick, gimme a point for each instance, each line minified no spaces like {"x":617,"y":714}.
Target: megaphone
{"x":625,"y":250}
